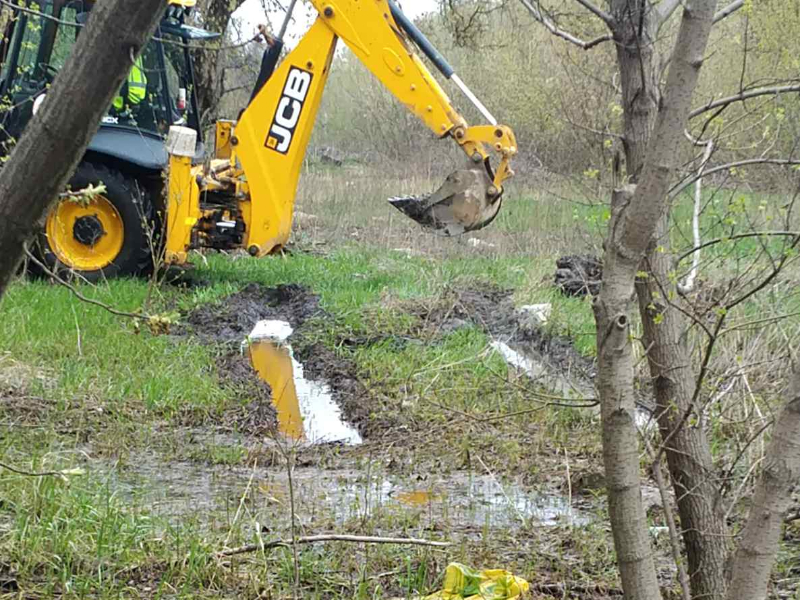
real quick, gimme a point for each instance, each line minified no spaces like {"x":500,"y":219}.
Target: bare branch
{"x":739,"y":236}
{"x":333,"y":537}
{"x":51,"y":273}
{"x":712,"y":104}
{"x":728,"y":10}
{"x":598,"y":12}
{"x":37,"y":13}
{"x":665,"y":10}
{"x":605,"y":134}
{"x":679,"y":187}
{"x":555,"y":30}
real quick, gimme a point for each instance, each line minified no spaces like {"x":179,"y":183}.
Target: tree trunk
{"x":634,"y":35}
{"x":620,"y":441}
{"x":209,"y":62}
{"x":705,"y":533}
{"x":688,"y":453}
{"x":653,"y":134}
{"x":759,"y":544}
{"x":56,"y":138}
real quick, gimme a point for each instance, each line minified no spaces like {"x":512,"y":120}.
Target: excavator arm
{"x":263,"y":153}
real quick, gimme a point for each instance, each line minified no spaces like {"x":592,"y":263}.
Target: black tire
{"x":135,"y":209}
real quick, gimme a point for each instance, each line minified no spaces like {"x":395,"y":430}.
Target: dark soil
{"x":492,"y":309}
{"x":485,"y":306}
{"x":230,"y":321}
{"x":578,"y":275}
{"x":340,"y":375}
{"x":233,"y":318}
{"x":227,"y":323}
{"x":258,"y":415}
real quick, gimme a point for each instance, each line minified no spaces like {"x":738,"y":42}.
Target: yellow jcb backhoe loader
{"x":243,"y":196}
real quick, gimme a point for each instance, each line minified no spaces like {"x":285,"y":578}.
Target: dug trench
{"x":402,"y":431}
{"x":323,"y":348}
{"x":457,"y":444}
{"x":463,"y":473}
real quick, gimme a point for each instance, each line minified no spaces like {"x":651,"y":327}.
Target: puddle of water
{"x":458,"y":499}
{"x":538,"y":369}
{"x":416,"y":498}
{"x":325,"y":498}
{"x":306,"y":409}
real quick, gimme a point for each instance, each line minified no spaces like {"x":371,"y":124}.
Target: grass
{"x":92,"y":353}
{"x":146,"y":416}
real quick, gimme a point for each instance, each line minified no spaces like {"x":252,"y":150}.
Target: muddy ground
{"x":226,"y":325}
{"x":505,"y":496}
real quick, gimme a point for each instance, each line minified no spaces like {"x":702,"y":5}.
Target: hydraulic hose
{"x":436,"y":58}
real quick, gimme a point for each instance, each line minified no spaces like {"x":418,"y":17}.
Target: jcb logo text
{"x":288,"y":112}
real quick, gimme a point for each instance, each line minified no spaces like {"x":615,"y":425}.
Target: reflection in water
{"x":274,"y":365}
{"x":325,"y":496}
{"x":416,"y":498}
{"x":306,"y":409}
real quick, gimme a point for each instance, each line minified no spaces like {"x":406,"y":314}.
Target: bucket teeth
{"x":412,"y":206}
{"x":461,"y":204}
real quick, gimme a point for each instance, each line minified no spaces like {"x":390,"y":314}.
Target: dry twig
{"x":332,"y":537}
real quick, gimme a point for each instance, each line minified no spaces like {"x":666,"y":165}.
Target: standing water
{"x":306,"y":409}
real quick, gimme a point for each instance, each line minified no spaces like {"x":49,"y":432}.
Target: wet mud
{"x":334,"y":497}
{"x":228,"y":323}
{"x":492,"y":310}
{"x":307,"y":411}
{"x":233,"y":318}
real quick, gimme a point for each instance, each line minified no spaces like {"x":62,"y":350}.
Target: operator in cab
{"x":133,"y":91}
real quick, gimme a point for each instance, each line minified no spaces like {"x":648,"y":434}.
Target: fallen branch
{"x":331,"y":537}
{"x":59,"y":474}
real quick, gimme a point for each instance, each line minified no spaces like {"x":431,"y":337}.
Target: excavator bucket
{"x":466,"y":201}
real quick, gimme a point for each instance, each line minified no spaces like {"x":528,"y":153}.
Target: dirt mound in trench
{"x":228,"y":322}
{"x":232,"y":319}
{"x":492,"y":309}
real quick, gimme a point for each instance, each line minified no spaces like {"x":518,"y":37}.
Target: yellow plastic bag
{"x":461,"y":582}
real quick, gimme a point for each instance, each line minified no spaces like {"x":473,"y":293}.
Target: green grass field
{"x":134,"y":422}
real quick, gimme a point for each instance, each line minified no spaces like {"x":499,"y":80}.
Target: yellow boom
{"x":258,"y":160}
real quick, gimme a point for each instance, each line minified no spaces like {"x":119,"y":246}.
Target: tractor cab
{"x":157,"y":92}
{"x":114,"y":233}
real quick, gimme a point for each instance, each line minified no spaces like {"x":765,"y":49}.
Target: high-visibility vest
{"x":136,"y":85}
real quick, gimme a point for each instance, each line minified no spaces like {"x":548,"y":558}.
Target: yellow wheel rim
{"x":85,"y":236}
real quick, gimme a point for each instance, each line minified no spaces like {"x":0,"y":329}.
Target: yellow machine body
{"x":258,"y":160}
